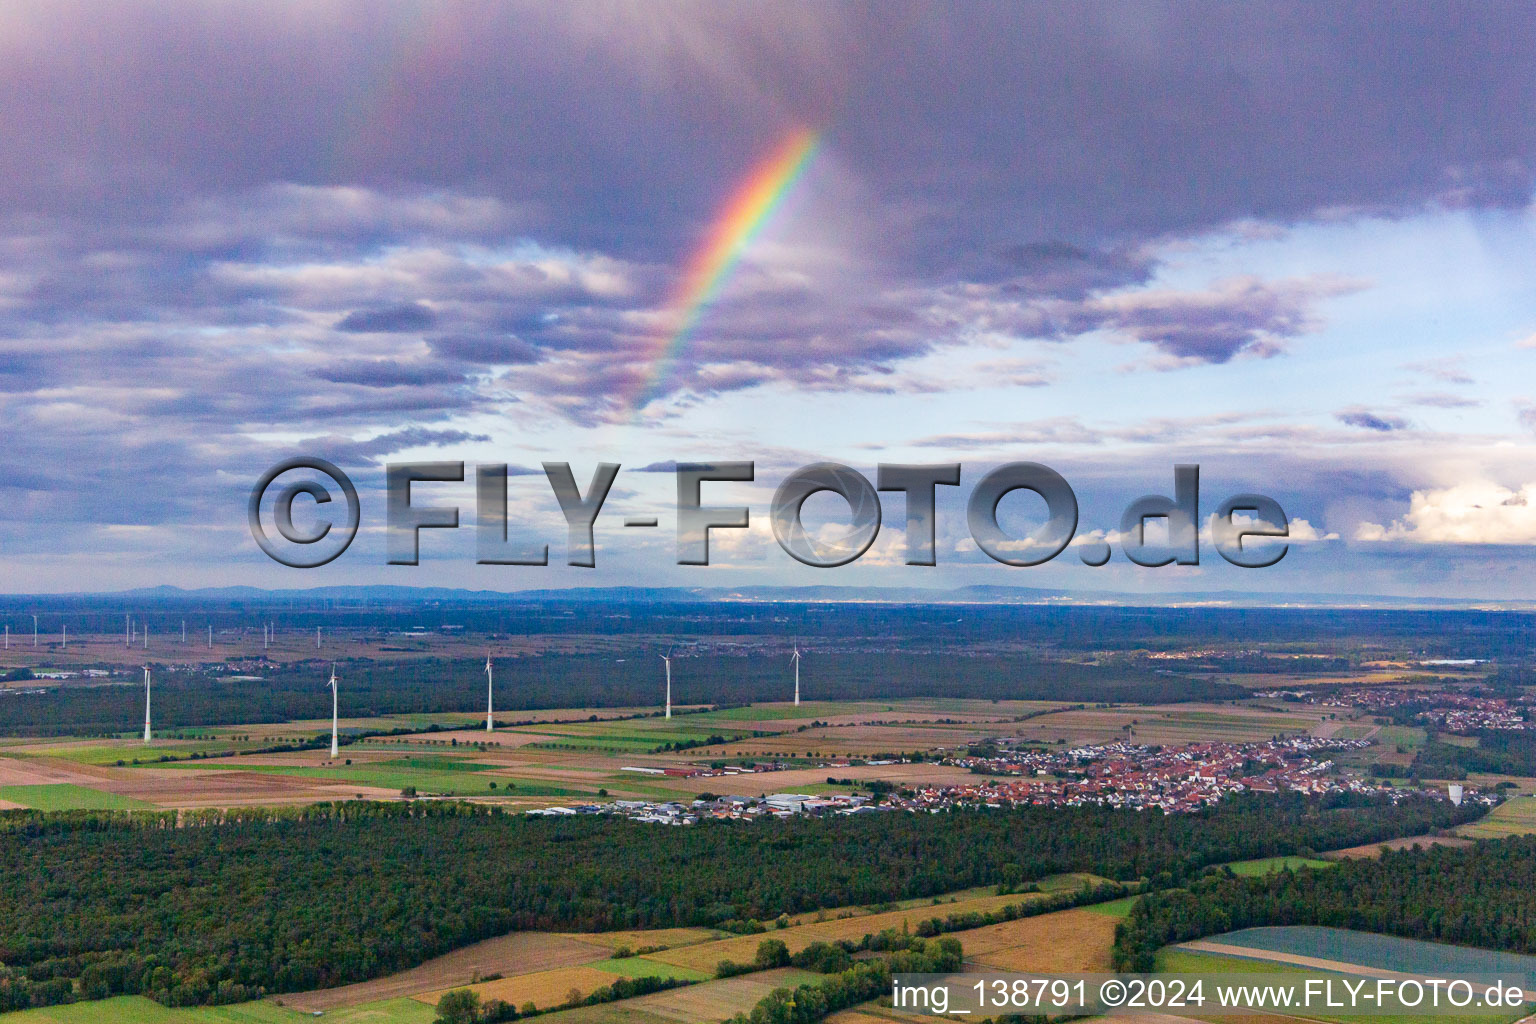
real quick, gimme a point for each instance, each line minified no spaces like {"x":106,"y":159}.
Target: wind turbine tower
{"x":335,"y":703}
{"x":668,"y":659}
{"x":146,"y":703}
{"x":489,"y":724}
{"x":796,"y":659}
{"x":34,"y":631}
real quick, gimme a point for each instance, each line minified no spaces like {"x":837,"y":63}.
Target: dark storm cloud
{"x":219,"y":222}
{"x":1367,"y":420}
{"x":1214,"y":326}
{"x":490,"y":351}
{"x":388,"y":373}
{"x":411,"y":316}
{"x":623,"y":124}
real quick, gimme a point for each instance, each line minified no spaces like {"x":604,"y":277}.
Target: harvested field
{"x":198,"y":787}
{"x":1374,"y":849}
{"x":15,"y":771}
{"x":706,"y":956}
{"x":1189,"y":723}
{"x":667,"y":938}
{"x":796,"y":779}
{"x":517,"y":953}
{"x":542,"y":988}
{"x":861,"y":741}
{"x":716,"y":1000}
{"x":625,"y":1012}
{"x":1068,"y":940}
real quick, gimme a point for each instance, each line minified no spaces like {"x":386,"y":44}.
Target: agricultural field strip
{"x":451,"y":782}
{"x":66,"y":796}
{"x":695,"y":1004}
{"x":855,"y":925}
{"x":1377,"y":951}
{"x":1066,"y":940}
{"x":1291,"y":960}
{"x":1513,"y":817}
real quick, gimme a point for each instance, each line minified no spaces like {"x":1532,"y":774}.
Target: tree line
{"x":1498,"y":752}
{"x":216,"y":906}
{"x":1479,"y":895}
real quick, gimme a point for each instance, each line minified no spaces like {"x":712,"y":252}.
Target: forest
{"x":221,"y":906}
{"x":1498,"y":752}
{"x":1478,"y":895}
{"x":295,"y":691}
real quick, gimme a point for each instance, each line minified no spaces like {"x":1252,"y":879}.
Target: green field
{"x":1515,"y":817}
{"x":1172,"y":960}
{"x":809,"y":710}
{"x":1269,"y":865}
{"x":1114,"y":908}
{"x":644,"y":967}
{"x":128,"y":753}
{"x":454,"y":783}
{"x":66,"y":796}
{"x":1394,"y":736}
{"x":138,"y":1010}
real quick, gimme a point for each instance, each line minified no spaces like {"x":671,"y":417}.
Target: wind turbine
{"x":668,"y":659}
{"x":335,"y":702}
{"x":489,"y":724}
{"x":796,"y":659}
{"x":66,"y":636}
{"x":146,"y":703}
{"x":34,"y":631}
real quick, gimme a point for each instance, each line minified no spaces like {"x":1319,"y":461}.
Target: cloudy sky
{"x":1290,"y":243}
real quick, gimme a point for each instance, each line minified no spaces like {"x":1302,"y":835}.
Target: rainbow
{"x":741,"y":219}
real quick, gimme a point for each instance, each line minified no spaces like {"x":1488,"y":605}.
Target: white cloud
{"x":1477,"y":512}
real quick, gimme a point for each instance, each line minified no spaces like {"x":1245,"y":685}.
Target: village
{"x":1448,"y":710}
{"x":1174,"y":779}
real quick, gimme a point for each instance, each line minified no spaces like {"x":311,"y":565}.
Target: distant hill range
{"x":968,"y":595}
